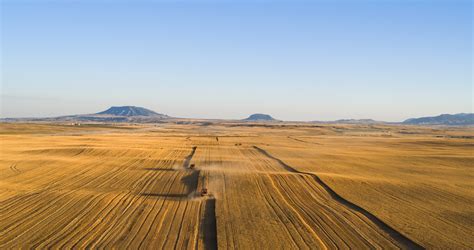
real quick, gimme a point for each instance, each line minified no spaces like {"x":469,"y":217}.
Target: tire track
{"x":277,"y":209}
{"x":132,"y":200}
{"x":106,"y":237}
{"x":189,"y":158}
{"x":40,"y":219}
{"x":60,"y":229}
{"x":336,"y":228}
{"x":299,"y":140}
{"x":14,"y":168}
{"x":70,"y":231}
{"x":402,"y":240}
{"x":163,"y":202}
{"x":134,"y":162}
{"x":161,"y":207}
{"x":208,"y":221}
{"x":344,"y":218}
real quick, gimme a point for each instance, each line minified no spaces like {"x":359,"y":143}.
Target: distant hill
{"x":352,"y":121}
{"x":259,"y":117}
{"x":444,"y":119}
{"x":113,"y":114}
{"x":129,"y":111}
{"x":357,"y":121}
{"x":119,"y":114}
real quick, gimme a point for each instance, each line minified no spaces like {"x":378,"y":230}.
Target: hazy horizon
{"x":226,"y":118}
{"x":302,"y":60}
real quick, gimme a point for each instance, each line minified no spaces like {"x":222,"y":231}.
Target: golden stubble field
{"x":269,"y":186}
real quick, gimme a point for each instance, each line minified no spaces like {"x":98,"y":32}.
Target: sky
{"x":295,"y":60}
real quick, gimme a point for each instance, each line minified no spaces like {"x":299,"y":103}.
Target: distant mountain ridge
{"x":444,"y":119}
{"x":357,"y":121}
{"x":259,"y":117}
{"x":119,"y":114}
{"x":136,"y":114}
{"x":113,"y":114}
{"x":352,"y":121}
{"x":128,"y":111}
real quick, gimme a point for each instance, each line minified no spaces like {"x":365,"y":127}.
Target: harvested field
{"x":288,"y":186}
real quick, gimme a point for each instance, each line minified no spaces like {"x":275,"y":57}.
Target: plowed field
{"x":269,"y":186}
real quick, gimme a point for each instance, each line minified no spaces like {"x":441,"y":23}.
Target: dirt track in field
{"x":401,"y":240}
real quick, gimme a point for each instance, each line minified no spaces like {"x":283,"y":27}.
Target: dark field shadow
{"x":209,"y":226}
{"x":188,"y":158}
{"x":160,"y":169}
{"x":190,"y":181}
{"x":166,"y":196}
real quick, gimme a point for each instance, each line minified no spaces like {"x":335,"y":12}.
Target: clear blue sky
{"x":295,"y":60}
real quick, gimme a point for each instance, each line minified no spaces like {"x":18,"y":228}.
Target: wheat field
{"x":285,"y":186}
